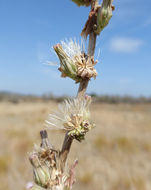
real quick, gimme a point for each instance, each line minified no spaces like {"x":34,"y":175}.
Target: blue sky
{"x":29,"y":28}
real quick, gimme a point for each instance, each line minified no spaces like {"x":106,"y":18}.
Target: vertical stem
{"x":91,"y":49}
{"x":81,"y":92}
{"x":65,"y":150}
{"x":92,"y":43}
{"x":82,"y":88}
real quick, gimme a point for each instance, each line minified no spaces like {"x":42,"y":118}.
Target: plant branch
{"x":99,"y":17}
{"x":92,"y":43}
{"x":44,"y":139}
{"x":65,"y":150}
{"x":81,"y":92}
{"x":82,"y":88}
{"x":91,"y":48}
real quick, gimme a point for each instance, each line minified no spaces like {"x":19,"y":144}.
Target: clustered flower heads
{"x":46,"y":169}
{"x":73,"y":116}
{"x":47,"y":172}
{"x":74,"y":63}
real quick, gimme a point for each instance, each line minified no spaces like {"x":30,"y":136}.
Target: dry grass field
{"x":116,"y":155}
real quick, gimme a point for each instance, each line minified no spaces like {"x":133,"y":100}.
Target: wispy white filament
{"x":72,"y":47}
{"x":66,"y":110}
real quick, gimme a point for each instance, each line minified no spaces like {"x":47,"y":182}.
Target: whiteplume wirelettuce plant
{"x":73,"y":115}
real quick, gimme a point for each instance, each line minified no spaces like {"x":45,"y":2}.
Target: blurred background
{"x":116,"y":154}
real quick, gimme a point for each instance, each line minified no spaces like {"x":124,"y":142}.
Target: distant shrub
{"x":16,"y":98}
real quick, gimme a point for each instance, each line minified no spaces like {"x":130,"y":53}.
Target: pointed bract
{"x":41,"y":172}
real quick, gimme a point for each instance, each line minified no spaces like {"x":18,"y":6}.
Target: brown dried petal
{"x":90,"y":23}
{"x":85,"y":67}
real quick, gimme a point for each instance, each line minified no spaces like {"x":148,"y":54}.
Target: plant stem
{"x":82,"y":88}
{"x":91,"y":49}
{"x":65,"y":150}
{"x":92,"y":43}
{"x":81,"y":92}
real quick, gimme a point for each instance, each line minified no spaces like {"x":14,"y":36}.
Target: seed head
{"x":85,"y":66}
{"x":74,"y":63}
{"x":73,"y":116}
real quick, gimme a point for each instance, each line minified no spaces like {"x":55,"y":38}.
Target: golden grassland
{"x":116,"y":155}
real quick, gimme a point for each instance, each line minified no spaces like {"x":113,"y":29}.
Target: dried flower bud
{"x":85,"y":66}
{"x":74,"y":63}
{"x":41,"y":172}
{"x":104,"y":15}
{"x":80,"y":130}
{"x":73,"y":116}
{"x":82,"y":2}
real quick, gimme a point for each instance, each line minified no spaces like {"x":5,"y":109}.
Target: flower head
{"x":73,"y":116}
{"x":74,"y":63}
{"x":46,"y":170}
